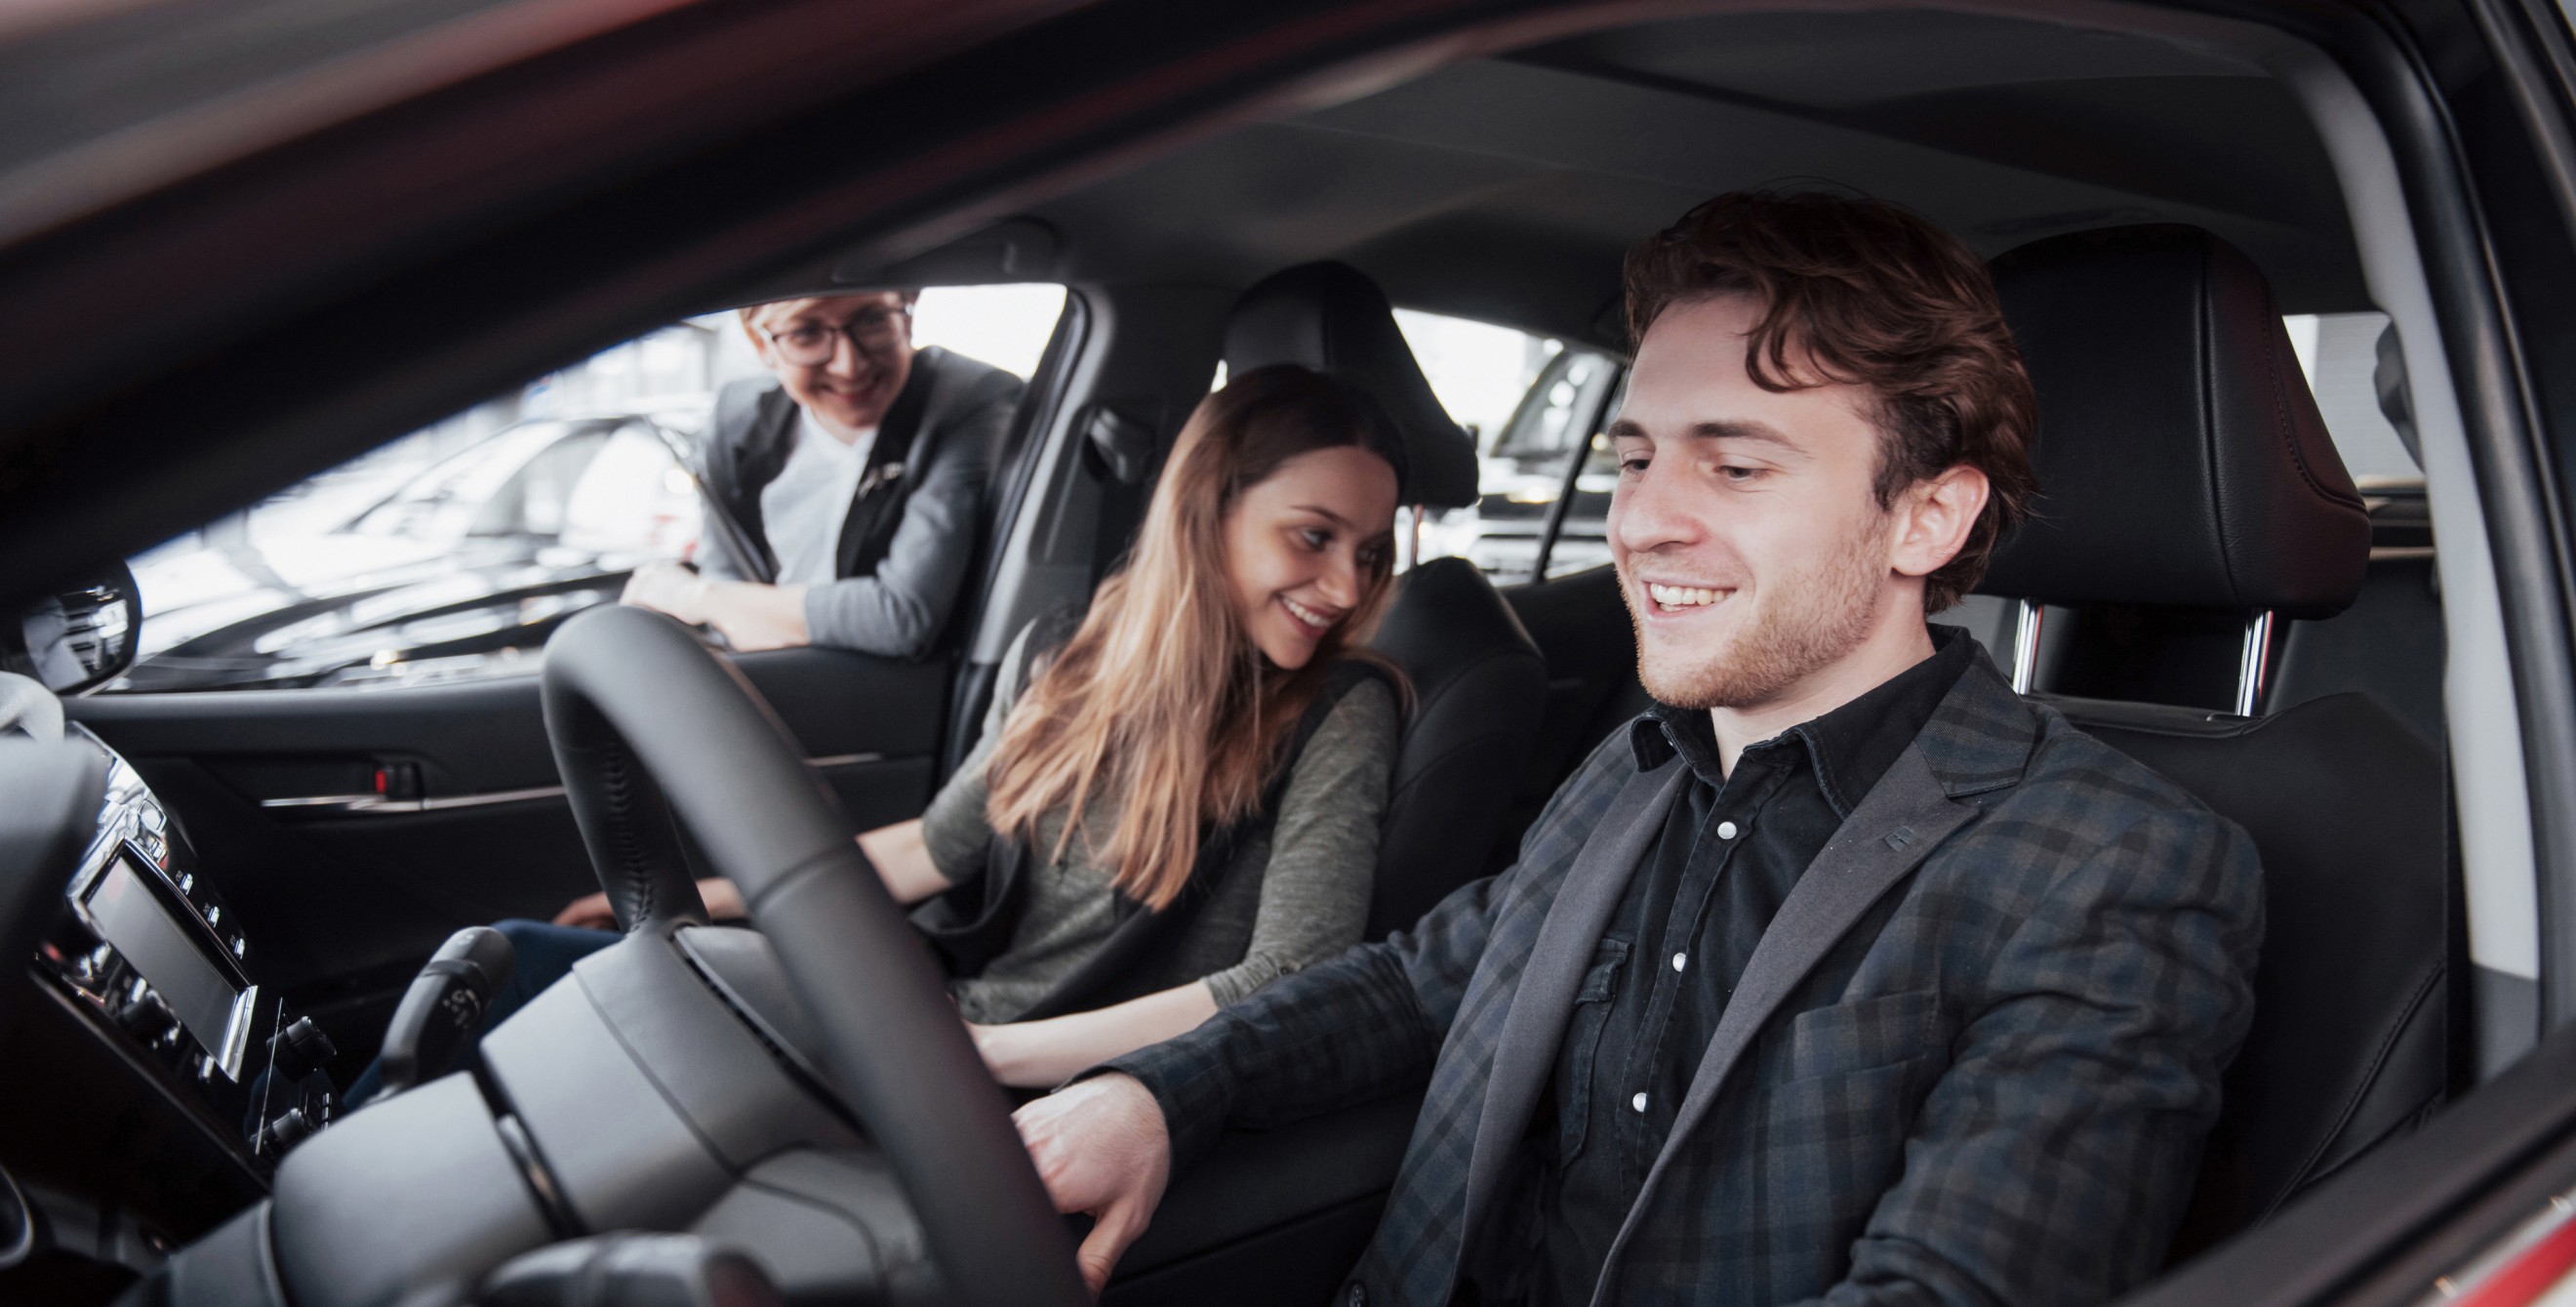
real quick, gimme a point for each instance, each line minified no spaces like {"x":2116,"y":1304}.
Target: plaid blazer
{"x":1972,"y":1061}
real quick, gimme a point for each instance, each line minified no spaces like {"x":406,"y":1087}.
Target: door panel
{"x":337,"y":873}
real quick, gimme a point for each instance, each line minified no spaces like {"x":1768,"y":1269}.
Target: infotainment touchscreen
{"x":130,"y":916}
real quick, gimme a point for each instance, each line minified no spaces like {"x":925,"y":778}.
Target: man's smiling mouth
{"x":1673,"y":598}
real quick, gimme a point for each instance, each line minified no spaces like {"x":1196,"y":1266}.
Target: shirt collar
{"x":811,"y":435}
{"x":1851,"y":746}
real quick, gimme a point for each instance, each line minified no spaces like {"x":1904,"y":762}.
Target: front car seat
{"x":1479,"y":684}
{"x":2184,"y":464}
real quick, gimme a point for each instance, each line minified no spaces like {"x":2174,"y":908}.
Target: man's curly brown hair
{"x":1868,"y":293}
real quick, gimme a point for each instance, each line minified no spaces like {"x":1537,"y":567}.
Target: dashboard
{"x":160,"y":1076}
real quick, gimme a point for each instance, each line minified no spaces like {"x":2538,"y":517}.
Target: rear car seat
{"x":1479,"y":685}
{"x":2186,"y":468}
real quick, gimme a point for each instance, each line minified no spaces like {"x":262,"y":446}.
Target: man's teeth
{"x":1682,"y":596}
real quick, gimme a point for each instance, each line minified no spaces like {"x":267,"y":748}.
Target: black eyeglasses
{"x":812,"y":344}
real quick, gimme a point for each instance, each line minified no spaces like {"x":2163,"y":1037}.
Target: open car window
{"x":454,"y":551}
{"x":1531,"y":403}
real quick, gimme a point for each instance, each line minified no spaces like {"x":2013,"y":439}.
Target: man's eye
{"x":872,"y":320}
{"x":805,"y":337}
{"x":1315,"y":539}
{"x":1736,"y":474}
{"x":1633,"y":465}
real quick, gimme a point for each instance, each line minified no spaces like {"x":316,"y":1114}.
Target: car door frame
{"x":2471,"y":138}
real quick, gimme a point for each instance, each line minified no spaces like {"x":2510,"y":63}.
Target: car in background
{"x":460,"y":569}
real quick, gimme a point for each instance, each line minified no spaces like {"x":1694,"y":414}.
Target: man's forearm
{"x":1344,"y":1032}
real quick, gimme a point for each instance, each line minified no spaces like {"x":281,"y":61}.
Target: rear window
{"x":452,"y":552}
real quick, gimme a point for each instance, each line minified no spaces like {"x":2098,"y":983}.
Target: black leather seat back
{"x":2352,"y":1040}
{"x":1330,"y":315}
{"x":1479,"y":684}
{"x":1480,"y":692}
{"x":2181,"y":458}
{"x":2184,"y":463}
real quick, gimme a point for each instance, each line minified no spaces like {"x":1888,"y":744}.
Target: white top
{"x":802,"y":509}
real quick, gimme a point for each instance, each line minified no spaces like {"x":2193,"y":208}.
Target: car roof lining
{"x":1506,"y":188}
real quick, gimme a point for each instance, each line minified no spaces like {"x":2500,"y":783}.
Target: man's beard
{"x":1799,"y":625}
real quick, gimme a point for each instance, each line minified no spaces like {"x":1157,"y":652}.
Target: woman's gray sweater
{"x":1296,"y":893}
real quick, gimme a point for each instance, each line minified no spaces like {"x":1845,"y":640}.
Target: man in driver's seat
{"x":847,"y":485}
{"x":1842,"y":974}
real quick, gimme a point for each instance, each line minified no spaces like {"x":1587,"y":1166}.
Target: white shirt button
{"x":1680,"y":960}
{"x":1726,"y":830}
{"x":1639,"y":1102}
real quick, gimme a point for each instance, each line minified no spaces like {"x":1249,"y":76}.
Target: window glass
{"x":1583,"y":541}
{"x":2340,"y":354}
{"x":1531,"y":403}
{"x":454,"y":551}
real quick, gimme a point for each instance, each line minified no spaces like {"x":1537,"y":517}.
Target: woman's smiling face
{"x":1304,"y":544}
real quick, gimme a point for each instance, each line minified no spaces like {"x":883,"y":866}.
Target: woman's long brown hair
{"x":1160,"y":697}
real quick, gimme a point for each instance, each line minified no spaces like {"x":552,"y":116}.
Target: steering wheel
{"x":647,"y":725}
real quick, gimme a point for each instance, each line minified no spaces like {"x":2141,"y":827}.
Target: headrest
{"x":1330,"y":315}
{"x":2181,"y":458}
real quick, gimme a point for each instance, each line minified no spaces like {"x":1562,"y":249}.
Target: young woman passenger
{"x":1224,"y":742}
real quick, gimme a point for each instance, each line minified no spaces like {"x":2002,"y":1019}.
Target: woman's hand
{"x":723,"y":900}
{"x":590,"y":912}
{"x":1001,"y":1050}
{"x":1038,"y":1054}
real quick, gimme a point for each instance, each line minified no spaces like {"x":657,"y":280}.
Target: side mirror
{"x":76,"y":639}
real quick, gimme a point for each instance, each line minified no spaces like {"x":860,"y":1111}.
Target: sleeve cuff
{"x":1188,"y":1082}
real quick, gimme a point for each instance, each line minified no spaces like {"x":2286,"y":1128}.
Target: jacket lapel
{"x":1906,"y":816}
{"x":1543,"y":1001}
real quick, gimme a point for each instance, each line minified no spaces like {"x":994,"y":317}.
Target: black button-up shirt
{"x":1668,"y":962}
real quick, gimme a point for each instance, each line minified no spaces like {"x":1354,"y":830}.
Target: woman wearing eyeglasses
{"x":849,"y":486}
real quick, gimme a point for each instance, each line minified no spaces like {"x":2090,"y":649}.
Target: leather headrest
{"x":2181,"y":458}
{"x":1330,"y":315}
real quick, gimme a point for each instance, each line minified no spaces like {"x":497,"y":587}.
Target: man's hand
{"x":751,"y":615}
{"x":1102,"y":1148}
{"x":668,"y":588}
{"x":755,"y":616}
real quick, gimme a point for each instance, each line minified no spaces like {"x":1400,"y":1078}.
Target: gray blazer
{"x":910,"y":538}
{"x":1971,"y":1062}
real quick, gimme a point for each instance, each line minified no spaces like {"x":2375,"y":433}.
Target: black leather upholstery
{"x":2181,"y":457}
{"x":1479,"y":694}
{"x":2351,"y":1037}
{"x":2186,"y":466}
{"x":1330,"y":315}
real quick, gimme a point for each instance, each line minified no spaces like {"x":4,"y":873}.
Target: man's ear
{"x":1934,"y":518}
{"x":759,"y":342}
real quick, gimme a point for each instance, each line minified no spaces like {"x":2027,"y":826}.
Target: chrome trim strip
{"x":845,"y":760}
{"x":2250,"y":669}
{"x":237,"y":1034}
{"x":377,"y":805}
{"x":2027,"y":615}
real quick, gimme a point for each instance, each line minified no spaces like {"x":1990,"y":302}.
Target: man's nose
{"x":845,"y":360}
{"x":1655,"y":510}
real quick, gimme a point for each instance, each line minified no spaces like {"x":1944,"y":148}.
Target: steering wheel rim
{"x":647,"y":726}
